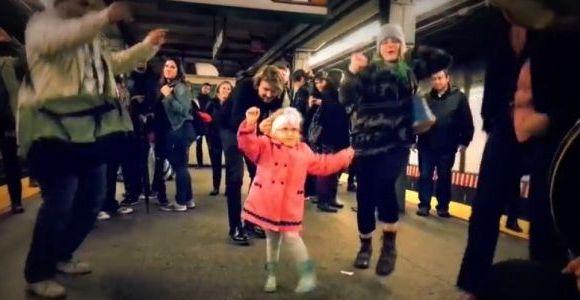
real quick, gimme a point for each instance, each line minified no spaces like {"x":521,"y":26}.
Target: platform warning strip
{"x":27,"y":193}
{"x":457,"y":210}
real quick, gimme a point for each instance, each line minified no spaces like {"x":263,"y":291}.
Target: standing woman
{"x":381,"y":95}
{"x":328,"y":133}
{"x":214,"y":108}
{"x":176,"y":100}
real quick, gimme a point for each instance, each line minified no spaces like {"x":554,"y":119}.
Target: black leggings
{"x":376,"y":176}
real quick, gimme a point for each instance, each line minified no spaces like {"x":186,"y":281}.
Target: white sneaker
{"x":103,"y":215}
{"x":179,"y":207}
{"x":74,"y":268}
{"x":124,"y":210}
{"x":46,"y":289}
{"x":173,"y":207}
{"x":191,"y":204}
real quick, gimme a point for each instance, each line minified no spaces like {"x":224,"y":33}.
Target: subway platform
{"x":175,"y":255}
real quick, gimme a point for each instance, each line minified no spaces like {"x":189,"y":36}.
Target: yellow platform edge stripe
{"x":457,"y":210}
{"x":27,"y":193}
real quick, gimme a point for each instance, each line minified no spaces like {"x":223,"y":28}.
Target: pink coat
{"x":276,"y":198}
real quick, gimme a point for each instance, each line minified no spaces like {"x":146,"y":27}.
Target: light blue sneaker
{"x":271,"y":285}
{"x":307,"y":281}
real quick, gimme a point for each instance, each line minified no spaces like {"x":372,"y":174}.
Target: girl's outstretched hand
{"x":252,"y":115}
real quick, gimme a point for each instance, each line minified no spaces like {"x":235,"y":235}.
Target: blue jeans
{"x":428,"y":160}
{"x":73,"y":191}
{"x":178,"y":143}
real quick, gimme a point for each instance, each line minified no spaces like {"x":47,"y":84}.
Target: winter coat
{"x":332,"y":122}
{"x":56,"y":55}
{"x":276,"y":198}
{"x":178,"y":105}
{"x":381,"y":98}
{"x":214,"y":109}
{"x":454,"y":125}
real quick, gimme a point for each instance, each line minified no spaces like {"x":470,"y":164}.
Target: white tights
{"x":294,"y":241}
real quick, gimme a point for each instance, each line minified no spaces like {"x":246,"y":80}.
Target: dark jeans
{"x":160,"y":149}
{"x":351,"y":176}
{"x":73,"y":192}
{"x":12,"y":169}
{"x":126,"y":156}
{"x":326,"y":188}
{"x":234,"y":178}
{"x":199,"y":150}
{"x":502,"y":166}
{"x":251,"y":169}
{"x":215,"y":155}
{"x":178,"y":145}
{"x":376,"y":176}
{"x":428,"y":160}
{"x":310,"y":186}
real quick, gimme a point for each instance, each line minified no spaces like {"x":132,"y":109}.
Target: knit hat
{"x":290,"y":115}
{"x":390,"y":30}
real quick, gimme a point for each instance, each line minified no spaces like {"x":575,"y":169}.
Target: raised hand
{"x":157,"y":37}
{"x":119,"y":11}
{"x":252,"y":115}
{"x":358,"y":61}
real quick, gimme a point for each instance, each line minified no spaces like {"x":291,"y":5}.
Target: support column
{"x":401,"y":12}
{"x":300,"y":60}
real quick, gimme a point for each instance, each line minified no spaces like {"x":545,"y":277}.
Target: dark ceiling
{"x":252,"y":38}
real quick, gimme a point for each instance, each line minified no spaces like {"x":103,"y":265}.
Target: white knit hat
{"x":390,"y":30}
{"x":290,"y":115}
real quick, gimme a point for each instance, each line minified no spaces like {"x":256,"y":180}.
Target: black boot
{"x":363,"y":257}
{"x":215,"y":192}
{"x":325,"y":207}
{"x":239,"y":237}
{"x":336,"y":203}
{"x":388,"y":257}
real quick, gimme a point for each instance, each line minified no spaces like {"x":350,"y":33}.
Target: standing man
{"x":261,"y":91}
{"x":201,"y":103}
{"x":452,"y":132}
{"x":12,"y":67}
{"x":68,"y":118}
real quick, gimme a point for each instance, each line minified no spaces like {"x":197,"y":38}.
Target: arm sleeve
{"x":239,"y":105}
{"x":465,"y":122}
{"x":347,"y":92}
{"x":326,"y":164}
{"x":126,"y":60}
{"x":249,"y":142}
{"x":49,"y":35}
{"x":180,"y":100}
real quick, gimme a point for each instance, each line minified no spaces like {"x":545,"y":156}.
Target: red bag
{"x":204,"y":117}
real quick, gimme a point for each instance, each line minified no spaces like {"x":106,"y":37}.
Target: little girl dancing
{"x":276,"y":198}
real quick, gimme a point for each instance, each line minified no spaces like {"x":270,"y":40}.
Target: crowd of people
{"x":84,"y":111}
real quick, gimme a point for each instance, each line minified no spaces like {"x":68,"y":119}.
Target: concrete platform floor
{"x":187,"y":256}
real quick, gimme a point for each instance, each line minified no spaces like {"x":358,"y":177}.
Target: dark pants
{"x":429,"y":160}
{"x":12,"y":170}
{"x":178,"y":145}
{"x":161,"y":155}
{"x":126,"y":156}
{"x":73,"y":192}
{"x":326,"y":188}
{"x":376,"y":176}
{"x":351,"y":176}
{"x":502,"y":166}
{"x":310,"y":186}
{"x":520,"y":279}
{"x":199,"y":150}
{"x":251,"y":169}
{"x":234,"y":178}
{"x":401,"y":185}
{"x":142,"y":168}
{"x":215,"y":155}
{"x":545,"y":243}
